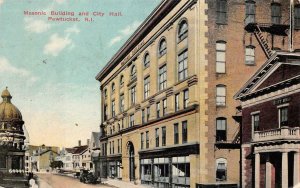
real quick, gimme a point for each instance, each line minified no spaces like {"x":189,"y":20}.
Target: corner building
{"x":167,"y":94}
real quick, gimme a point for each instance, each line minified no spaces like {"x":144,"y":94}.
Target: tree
{"x":56,"y":164}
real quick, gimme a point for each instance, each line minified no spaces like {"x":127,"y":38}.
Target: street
{"x":57,"y":181}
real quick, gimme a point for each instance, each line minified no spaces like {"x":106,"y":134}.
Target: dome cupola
{"x":8,"y":111}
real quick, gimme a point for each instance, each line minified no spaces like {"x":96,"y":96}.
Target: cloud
{"x":7,"y":67}
{"x":59,"y":1}
{"x":1,"y":2}
{"x":73,"y":29}
{"x":124,"y":33}
{"x":56,"y":44}
{"x":35,"y":26}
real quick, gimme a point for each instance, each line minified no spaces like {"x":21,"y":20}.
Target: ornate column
{"x":284,"y":170}
{"x":257,"y":170}
{"x":296,"y":168}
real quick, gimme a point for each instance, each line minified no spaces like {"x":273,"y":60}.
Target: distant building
{"x":12,"y":153}
{"x":42,"y":156}
{"x":77,"y":156}
{"x":95,"y":152}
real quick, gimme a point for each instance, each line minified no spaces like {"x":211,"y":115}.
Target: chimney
{"x":79,"y":142}
{"x":88,"y":142}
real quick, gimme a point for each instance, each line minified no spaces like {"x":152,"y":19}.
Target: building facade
{"x":167,"y":94}
{"x":270,"y":124}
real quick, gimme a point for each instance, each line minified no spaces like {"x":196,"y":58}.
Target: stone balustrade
{"x":283,"y":133}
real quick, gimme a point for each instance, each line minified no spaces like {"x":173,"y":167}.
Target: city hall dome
{"x":8,"y":111}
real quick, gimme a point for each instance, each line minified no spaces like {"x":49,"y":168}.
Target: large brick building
{"x":167,"y":94}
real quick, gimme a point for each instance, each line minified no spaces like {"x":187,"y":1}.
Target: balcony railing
{"x":283,"y":133}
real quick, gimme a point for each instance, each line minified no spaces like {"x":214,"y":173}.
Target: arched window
{"x":162,"y":49}
{"x":133,"y":72}
{"x":182,"y":30}
{"x":113,"y":87}
{"x":250,"y":55}
{"x":146,"y":60}
{"x":121,"y":80}
{"x":221,"y":169}
{"x":221,"y":127}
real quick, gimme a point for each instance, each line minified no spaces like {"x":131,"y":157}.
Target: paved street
{"x":57,"y":181}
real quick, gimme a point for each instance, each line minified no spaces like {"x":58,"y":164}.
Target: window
{"x":119,"y":145}
{"x":162,"y":49}
{"x":182,"y":30}
{"x":162,"y":77}
{"x":146,"y":60}
{"x":113,"y":87}
{"x":177,"y":102}
{"x":221,"y":169}
{"x":221,"y":57}
{"x":113,"y":111}
{"x":176,"y":134}
{"x":148,"y":113}
{"x":105,"y":112}
{"x":131,"y":120}
{"x":255,"y":122}
{"x":133,"y":72}
{"x":250,"y":55}
{"x":181,"y":167}
{"x":163,"y":136}
{"x":221,"y":95}
{"x":143,"y":115}
{"x":142,"y":140}
{"x":158,"y":110}
{"x":146,"y":87}
{"x":297,"y":16}
{"x":109,"y":147}
{"x":183,"y":65}
{"x":250,"y":12}
{"x":283,"y":116}
{"x":185,"y":98}
{"x":276,"y":13}
{"x":113,"y":147}
{"x":122,"y":103}
{"x":184,"y":132}
{"x":105,"y":93}
{"x":164,"y":107}
{"x":132,"y":95}
{"x":221,"y":129}
{"x":121,"y":80}
{"x":147,"y":139}
{"x":221,"y":12}
{"x":157,"y":137}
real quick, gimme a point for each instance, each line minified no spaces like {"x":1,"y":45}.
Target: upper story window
{"x":221,"y":57}
{"x":250,"y":12}
{"x":113,"y":110}
{"x":131,"y":120}
{"x":146,"y":60}
{"x":164,"y":106}
{"x":283,"y":116}
{"x":113,"y":87}
{"x":184,"y":132}
{"x":221,"y":169}
{"x":221,"y":95}
{"x":162,"y":77}
{"x":221,"y":12}
{"x":177,"y":102}
{"x":133,"y":95}
{"x":162,"y":48}
{"x":143,"y":116}
{"x":163,"y":136}
{"x":158,"y":109}
{"x":105,"y":112}
{"x":142,"y":140}
{"x":185,"y":98}
{"x":121,"y":80}
{"x":221,"y":134}
{"x":148,"y":113}
{"x":133,"y":72}
{"x":147,"y":139}
{"x":182,"y":30}
{"x":122,"y":103}
{"x":276,"y":13}
{"x":176,"y":134}
{"x":250,"y":55}
{"x":297,"y":16}
{"x":156,"y":137}
{"x":105,"y":93}
{"x":255,"y":122}
{"x":146,"y":87}
{"x":183,"y":65}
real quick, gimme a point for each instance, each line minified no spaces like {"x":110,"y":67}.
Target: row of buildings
{"x":204,"y":94}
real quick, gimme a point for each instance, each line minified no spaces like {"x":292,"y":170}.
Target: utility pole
{"x":291,"y":33}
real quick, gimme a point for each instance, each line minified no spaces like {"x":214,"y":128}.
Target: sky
{"x":49,"y":67}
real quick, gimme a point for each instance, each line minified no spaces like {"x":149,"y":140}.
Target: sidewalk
{"x":123,"y":184}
